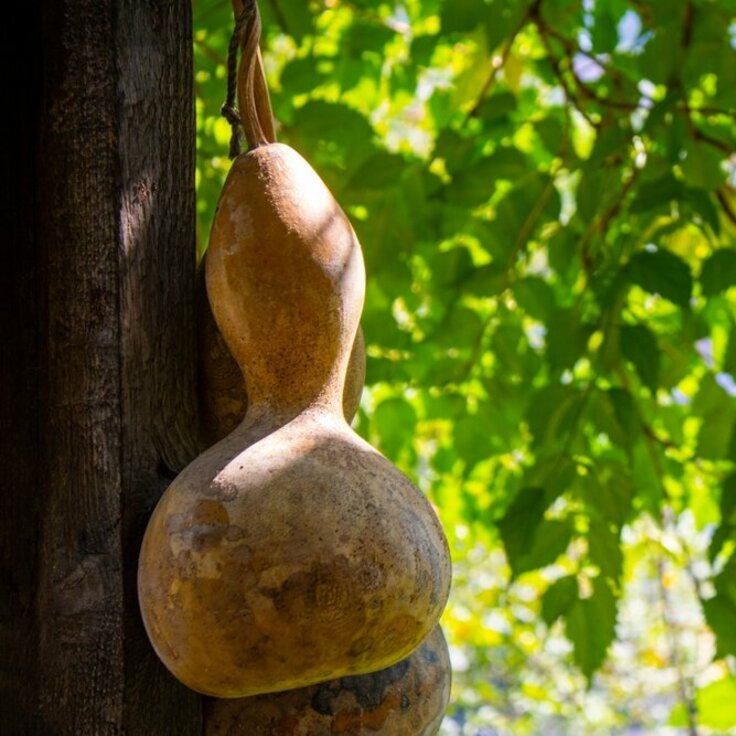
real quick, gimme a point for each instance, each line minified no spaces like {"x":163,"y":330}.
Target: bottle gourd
{"x":291,"y":552}
{"x":408,"y":698}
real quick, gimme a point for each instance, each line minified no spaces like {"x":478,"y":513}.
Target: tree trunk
{"x":97,"y":406}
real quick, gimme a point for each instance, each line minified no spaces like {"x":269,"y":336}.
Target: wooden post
{"x":97,"y":406}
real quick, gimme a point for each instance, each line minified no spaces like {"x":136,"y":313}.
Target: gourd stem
{"x":253,"y":99}
{"x":263,"y":99}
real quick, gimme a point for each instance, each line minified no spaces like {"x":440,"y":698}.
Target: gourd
{"x":291,"y":552}
{"x":408,"y":699}
{"x":223,"y":397}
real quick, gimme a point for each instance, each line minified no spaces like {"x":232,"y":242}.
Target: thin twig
{"x":644,"y":102}
{"x":498,"y":62}
{"x":726,"y":206}
{"x":601,"y":222}
{"x":570,"y":96}
{"x":705,"y":138}
{"x":684,"y":685}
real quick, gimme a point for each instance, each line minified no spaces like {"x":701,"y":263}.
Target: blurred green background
{"x":545,"y":195}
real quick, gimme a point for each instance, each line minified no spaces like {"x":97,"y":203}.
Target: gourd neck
{"x":294,"y":389}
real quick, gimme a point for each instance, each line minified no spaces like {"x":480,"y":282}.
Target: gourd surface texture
{"x":408,"y":699}
{"x":222,"y":388}
{"x":291,"y":552}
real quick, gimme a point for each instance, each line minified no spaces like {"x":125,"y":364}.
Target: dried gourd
{"x":291,"y":552}
{"x":408,"y":699}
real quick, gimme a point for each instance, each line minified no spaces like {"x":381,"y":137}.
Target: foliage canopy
{"x":545,"y":194}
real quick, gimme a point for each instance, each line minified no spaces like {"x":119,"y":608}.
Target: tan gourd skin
{"x":291,"y":552}
{"x":223,"y":398}
{"x":408,"y":699}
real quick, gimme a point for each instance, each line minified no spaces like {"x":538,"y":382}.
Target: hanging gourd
{"x":407,"y":699}
{"x":291,"y":552}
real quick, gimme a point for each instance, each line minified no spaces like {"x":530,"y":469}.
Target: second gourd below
{"x":291,"y":552}
{"x":408,"y":699}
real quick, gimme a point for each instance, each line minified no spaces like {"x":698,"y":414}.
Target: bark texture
{"x":97,"y":410}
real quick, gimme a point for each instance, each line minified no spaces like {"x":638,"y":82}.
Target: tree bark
{"x":97,"y":410}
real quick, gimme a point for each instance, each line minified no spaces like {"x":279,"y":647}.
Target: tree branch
{"x":571,"y":48}
{"x":726,"y":206}
{"x":684,"y":685}
{"x":498,"y":62}
{"x":570,"y":95}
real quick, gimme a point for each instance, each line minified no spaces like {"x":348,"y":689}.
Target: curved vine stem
{"x":254,"y":105}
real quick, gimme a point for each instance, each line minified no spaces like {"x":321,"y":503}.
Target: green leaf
{"x":552,"y":412}
{"x":590,"y":624}
{"x":715,"y":703}
{"x":604,"y":547}
{"x":364,"y":36}
{"x":651,"y":195}
{"x":551,"y":132}
{"x":719,"y":272}
{"x":450,"y":268}
{"x":558,"y":598}
{"x":625,"y":411}
{"x":639,"y":345}
{"x":473,"y":185}
{"x":596,"y":188}
{"x":395,"y":421}
{"x":729,"y":361}
{"x":535,"y":296}
{"x":556,"y":474}
{"x":716,"y":431}
{"x":701,"y":204}
{"x":604,"y":35}
{"x":567,"y":339}
{"x":551,"y":539}
{"x":479,"y":436}
{"x":497,"y":107}
{"x":319,"y":120}
{"x":662,"y":272}
{"x":562,"y":251}
{"x":702,"y":166}
{"x":519,"y":213}
{"x":727,"y":530}
{"x":462,"y":15}
{"x":728,"y":499}
{"x":300,"y":75}
{"x":381,"y":171}
{"x":508,"y":162}
{"x":422,"y":48}
{"x":661,"y":56}
{"x":297,"y":18}
{"x":500,"y":17}
{"x":720,"y":613}
{"x":610,"y":492}
{"x":710,"y":397}
{"x":461,"y":329}
{"x":520,"y":522}
{"x":646,"y":461}
{"x":454,"y":149}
